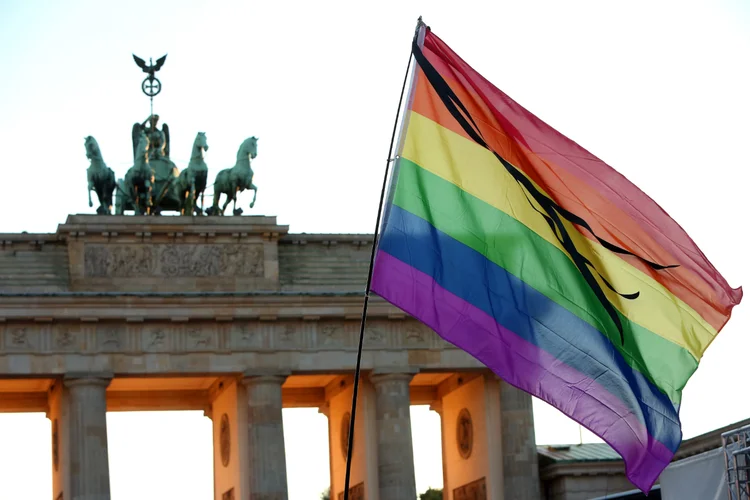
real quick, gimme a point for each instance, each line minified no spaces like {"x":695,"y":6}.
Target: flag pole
{"x":355,"y":390}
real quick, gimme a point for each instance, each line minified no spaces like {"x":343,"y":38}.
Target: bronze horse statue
{"x":101,"y":178}
{"x":139,"y":180}
{"x":192,"y":181}
{"x":231,"y":181}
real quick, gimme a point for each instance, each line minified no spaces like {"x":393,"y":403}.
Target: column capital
{"x":250,"y":380}
{"x":386,"y":374}
{"x":77,"y":379}
{"x":260,"y":375}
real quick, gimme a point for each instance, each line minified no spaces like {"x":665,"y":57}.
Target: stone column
{"x":393,"y":422}
{"x":437,"y":407}
{"x":325,"y":409}
{"x":265,"y":433}
{"x":87,"y":453}
{"x":520,"y":464}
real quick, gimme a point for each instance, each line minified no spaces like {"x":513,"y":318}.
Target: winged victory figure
{"x":150,"y":69}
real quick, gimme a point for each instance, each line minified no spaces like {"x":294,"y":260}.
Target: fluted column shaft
{"x":267,"y":461}
{"x":393,"y":420}
{"x":87,"y":454}
{"x":520,"y":465}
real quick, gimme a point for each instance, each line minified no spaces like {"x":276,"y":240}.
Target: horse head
{"x":92,"y":148}
{"x":249,"y":147}
{"x":200,"y":142}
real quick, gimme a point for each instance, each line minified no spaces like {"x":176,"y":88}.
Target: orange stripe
{"x":573,"y":194}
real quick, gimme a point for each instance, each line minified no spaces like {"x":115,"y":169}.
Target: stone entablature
{"x":114,"y":253}
{"x":47,"y":346}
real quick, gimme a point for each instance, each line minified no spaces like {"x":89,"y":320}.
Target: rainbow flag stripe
{"x":523,"y":249}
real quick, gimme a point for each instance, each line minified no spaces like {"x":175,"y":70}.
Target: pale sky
{"x":658,"y":89}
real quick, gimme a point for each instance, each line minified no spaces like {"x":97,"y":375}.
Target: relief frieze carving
{"x":21,"y":338}
{"x":66,"y":338}
{"x":110,"y":337}
{"x":246,"y":335}
{"x":375,"y":335}
{"x":154,"y":338}
{"x":172,"y":260}
{"x":416,"y":333}
{"x":331,"y":334}
{"x":208,"y":336}
{"x":286,"y":335}
{"x":198,"y":339}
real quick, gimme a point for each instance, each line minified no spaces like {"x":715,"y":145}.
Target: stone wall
{"x":324,"y":262}
{"x":33,"y":263}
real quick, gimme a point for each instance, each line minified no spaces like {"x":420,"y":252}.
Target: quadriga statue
{"x":168,"y":188}
{"x":101,"y":178}
{"x":154,"y":184}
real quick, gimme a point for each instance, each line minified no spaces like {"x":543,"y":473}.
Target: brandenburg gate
{"x":239,"y":318}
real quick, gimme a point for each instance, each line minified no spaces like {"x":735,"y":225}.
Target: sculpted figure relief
{"x":172,"y":261}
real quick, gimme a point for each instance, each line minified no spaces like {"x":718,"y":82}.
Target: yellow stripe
{"x":475,"y":170}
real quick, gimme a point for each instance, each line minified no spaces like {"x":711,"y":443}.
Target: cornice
{"x":587,"y":468}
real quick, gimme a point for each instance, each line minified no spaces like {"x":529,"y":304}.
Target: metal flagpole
{"x":353,"y":412}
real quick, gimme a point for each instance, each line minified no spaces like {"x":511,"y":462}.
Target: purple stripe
{"x":524,"y":365}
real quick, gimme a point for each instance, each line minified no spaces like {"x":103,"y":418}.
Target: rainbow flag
{"x":525,"y":250}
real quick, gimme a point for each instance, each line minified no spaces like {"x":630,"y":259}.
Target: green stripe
{"x":542,"y":266}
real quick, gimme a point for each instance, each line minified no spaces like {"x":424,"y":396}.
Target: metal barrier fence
{"x":736,"y":446}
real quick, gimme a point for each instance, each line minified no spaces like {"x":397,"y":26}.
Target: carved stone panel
{"x":110,"y":337}
{"x":331,"y":334}
{"x":464,"y":433}
{"x":376,"y":336}
{"x":475,"y":490}
{"x":22,"y":338}
{"x":172,"y":260}
{"x":417,"y":334}
{"x":224,"y":440}
{"x":356,"y":492}
{"x":287,"y":336}
{"x":246,"y":336}
{"x":156,"y":338}
{"x":344,"y":433}
{"x":199,"y":338}
{"x":67,"y":338}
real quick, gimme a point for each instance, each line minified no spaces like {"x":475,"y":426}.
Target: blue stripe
{"x":529,"y":314}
